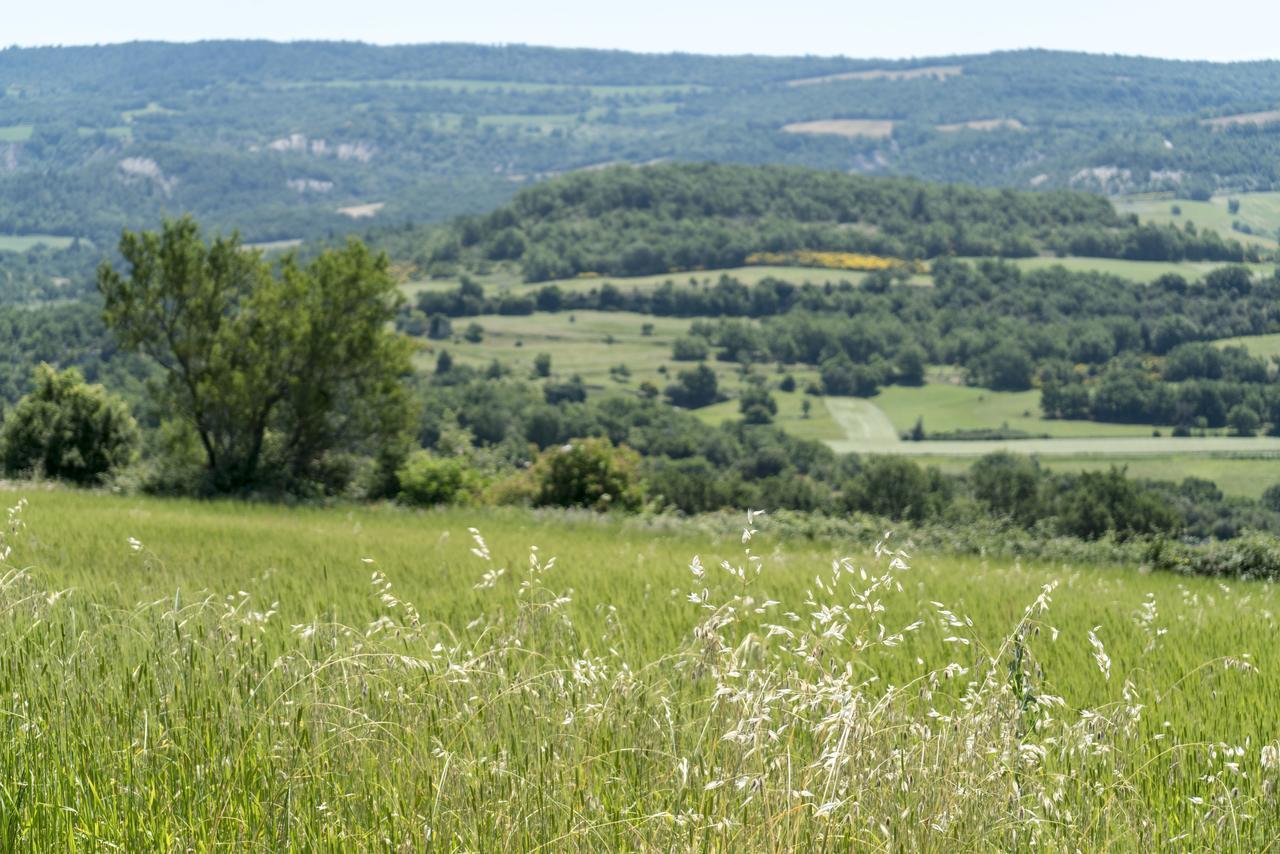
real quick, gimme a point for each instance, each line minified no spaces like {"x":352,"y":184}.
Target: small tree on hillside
{"x":68,"y":429}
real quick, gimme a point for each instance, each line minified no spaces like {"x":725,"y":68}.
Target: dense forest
{"x":629,"y":221}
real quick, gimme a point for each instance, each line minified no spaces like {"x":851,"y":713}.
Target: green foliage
{"x":756,"y":404}
{"x":590,"y":473}
{"x":690,"y":348}
{"x":1008,"y":485}
{"x":628,"y":221}
{"x":542,"y":365}
{"x":292,"y":366}
{"x":1243,"y":420}
{"x":694,"y":388}
{"x":1102,"y":503}
{"x":896,"y":488}
{"x":68,"y":430}
{"x":427,"y":480}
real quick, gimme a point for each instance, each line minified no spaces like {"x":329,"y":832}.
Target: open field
{"x":821,"y":425}
{"x":1143,"y":272}
{"x":1243,"y":475}
{"x":16,"y":133}
{"x":511,"y":280}
{"x":1077,"y":446}
{"x":151,"y":109}
{"x":936,"y":72}
{"x":257,"y":677}
{"x":946,"y":407}
{"x":365,"y":211}
{"x":1261,"y":118}
{"x":983,"y":124}
{"x":874,"y":128}
{"x":579,"y":343}
{"x":504,"y":278}
{"x":23,"y":242}
{"x":1259,"y":211}
{"x":1259,"y":346}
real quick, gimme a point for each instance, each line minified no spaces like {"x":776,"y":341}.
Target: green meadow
{"x":1260,"y":212}
{"x":180,"y":674}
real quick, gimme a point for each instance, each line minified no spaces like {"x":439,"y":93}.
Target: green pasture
{"x":23,"y":242}
{"x":1259,"y":346}
{"x":1243,"y":475}
{"x":1259,"y":211}
{"x":16,"y":133}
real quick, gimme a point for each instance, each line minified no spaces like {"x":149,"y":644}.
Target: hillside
{"x":630,"y":221}
{"x":289,"y":141}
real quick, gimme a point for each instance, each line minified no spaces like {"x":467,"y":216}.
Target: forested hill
{"x":654,"y":219}
{"x":293,"y":141}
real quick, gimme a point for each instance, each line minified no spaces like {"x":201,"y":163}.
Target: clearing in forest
{"x":362,"y":211}
{"x":1262,"y":118}
{"x":863,"y":423}
{"x":935,"y":72}
{"x":874,"y":128}
{"x":984,"y":124}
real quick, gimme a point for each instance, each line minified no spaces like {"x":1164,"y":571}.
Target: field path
{"x":863,"y":423}
{"x":1117,"y":446}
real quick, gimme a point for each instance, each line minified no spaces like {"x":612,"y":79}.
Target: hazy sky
{"x":1184,"y":29}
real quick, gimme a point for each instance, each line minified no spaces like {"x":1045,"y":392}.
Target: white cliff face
{"x":146,"y":169}
{"x":297,"y":143}
{"x":309,"y":185}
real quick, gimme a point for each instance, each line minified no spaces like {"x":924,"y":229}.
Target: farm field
{"x":23,"y":242}
{"x":1242,"y":475}
{"x":821,"y":425}
{"x":873,"y":128}
{"x":511,"y":280}
{"x":1259,"y":211}
{"x":16,"y":133}
{"x":1143,"y":272}
{"x":579,"y":342}
{"x":253,"y":676}
{"x":1259,"y":346}
{"x":945,"y":407}
{"x":591,"y":344}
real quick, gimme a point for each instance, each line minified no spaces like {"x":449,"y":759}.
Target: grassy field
{"x":264,"y":678}
{"x":587,"y":343}
{"x":946,"y":407}
{"x":1143,"y":272}
{"x":1259,"y":346}
{"x":1241,"y":475}
{"x":16,"y":133}
{"x":821,"y":424}
{"x":591,"y":344}
{"x":23,"y":242}
{"x":508,"y":278}
{"x":1259,"y":211}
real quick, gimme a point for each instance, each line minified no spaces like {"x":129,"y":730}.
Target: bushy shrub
{"x":589,"y":473}
{"x":68,"y":429}
{"x":427,"y":480}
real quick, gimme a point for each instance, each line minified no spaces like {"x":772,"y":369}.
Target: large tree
{"x":274,"y":369}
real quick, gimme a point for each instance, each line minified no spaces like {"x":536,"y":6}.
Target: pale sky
{"x":1181,"y":29}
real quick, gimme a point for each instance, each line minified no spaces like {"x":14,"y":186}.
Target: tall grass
{"x":371,"y":680}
